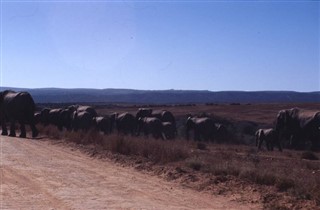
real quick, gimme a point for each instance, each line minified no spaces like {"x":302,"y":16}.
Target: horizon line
{"x":172,"y":89}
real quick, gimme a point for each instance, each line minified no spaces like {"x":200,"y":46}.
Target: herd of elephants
{"x":295,"y":128}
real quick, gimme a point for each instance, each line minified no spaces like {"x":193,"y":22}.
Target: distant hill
{"x":60,"y":95}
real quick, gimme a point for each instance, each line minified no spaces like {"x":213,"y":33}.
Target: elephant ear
{"x":317,"y":119}
{"x":294,"y":112}
{"x":281,"y":119}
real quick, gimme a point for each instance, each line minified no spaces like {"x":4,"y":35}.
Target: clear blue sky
{"x":217,"y":45}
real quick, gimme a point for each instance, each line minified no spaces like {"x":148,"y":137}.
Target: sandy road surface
{"x":36,"y":174}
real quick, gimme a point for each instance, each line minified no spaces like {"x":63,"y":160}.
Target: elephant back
{"x":54,"y":117}
{"x":151,"y":125}
{"x":16,"y":99}
{"x":103,"y":124}
{"x":167,"y":116}
{"x":157,"y":114}
{"x":154,"y":122}
{"x":143,"y":112}
{"x":44,"y":116}
{"x":82,"y":120}
{"x":126,"y":123}
{"x":17,"y":105}
{"x":87,"y":109}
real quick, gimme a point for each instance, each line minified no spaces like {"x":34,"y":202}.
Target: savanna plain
{"x":91,"y":170}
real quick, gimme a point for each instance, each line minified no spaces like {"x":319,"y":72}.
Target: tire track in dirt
{"x":36,"y":174}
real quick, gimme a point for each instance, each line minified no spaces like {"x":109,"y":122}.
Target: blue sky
{"x":189,"y":45}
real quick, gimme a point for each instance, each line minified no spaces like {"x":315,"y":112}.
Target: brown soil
{"x":37,"y":174}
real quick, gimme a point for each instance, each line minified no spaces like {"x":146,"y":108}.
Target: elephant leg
{"x":23,"y":130}
{"x":295,"y":142}
{"x":206,"y":138}
{"x":279,"y":145}
{"x":159,"y":135}
{"x":196,"y":135}
{"x":212,"y":138}
{"x":268,"y":145}
{"x":187,"y":135}
{"x":12,"y":129}
{"x":271,"y":145}
{"x":4,"y":128}
{"x":260,"y":143}
{"x":60,"y":127}
{"x":34,"y":130}
{"x":146,"y":133}
{"x":132,"y":132}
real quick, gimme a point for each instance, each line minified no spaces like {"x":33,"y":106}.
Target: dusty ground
{"x":36,"y":174}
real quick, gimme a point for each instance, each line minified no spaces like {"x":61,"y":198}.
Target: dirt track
{"x":36,"y":174}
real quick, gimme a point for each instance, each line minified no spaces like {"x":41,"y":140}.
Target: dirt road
{"x":36,"y":174}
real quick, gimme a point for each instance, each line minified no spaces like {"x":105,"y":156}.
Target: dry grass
{"x":286,"y":171}
{"x":275,"y":175}
{"x":152,"y":149}
{"x":157,"y":151}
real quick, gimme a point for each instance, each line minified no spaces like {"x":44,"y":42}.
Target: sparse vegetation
{"x":274,"y":174}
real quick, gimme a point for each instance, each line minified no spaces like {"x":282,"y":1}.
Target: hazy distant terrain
{"x":60,"y":95}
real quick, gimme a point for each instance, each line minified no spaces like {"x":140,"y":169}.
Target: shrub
{"x":195,"y":164}
{"x":283,"y":184}
{"x":258,"y":177}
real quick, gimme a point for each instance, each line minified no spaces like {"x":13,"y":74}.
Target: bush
{"x":195,"y":164}
{"x":258,"y":177}
{"x":284,"y":184}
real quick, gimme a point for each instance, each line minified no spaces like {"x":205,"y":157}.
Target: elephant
{"x":54,"y":118}
{"x":269,"y":136}
{"x":126,"y":123}
{"x":157,"y":114}
{"x":37,"y":118}
{"x":17,"y":106}
{"x":44,"y":116}
{"x":89,"y":109}
{"x":299,"y":126}
{"x":203,"y":128}
{"x":143,"y":112}
{"x":66,"y":117}
{"x":164,"y":116}
{"x":82,"y":117}
{"x":221,"y":131}
{"x":169,"y":130}
{"x":82,"y":121}
{"x":150,"y":125}
{"x":60,"y":117}
{"x":103,"y":124}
